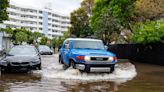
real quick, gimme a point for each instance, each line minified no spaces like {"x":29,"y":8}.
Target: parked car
{"x":21,"y":57}
{"x":44,"y":50}
{"x":89,"y":55}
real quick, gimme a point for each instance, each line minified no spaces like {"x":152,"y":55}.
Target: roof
{"x":83,"y":39}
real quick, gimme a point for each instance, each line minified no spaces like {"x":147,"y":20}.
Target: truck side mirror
{"x":67,"y":46}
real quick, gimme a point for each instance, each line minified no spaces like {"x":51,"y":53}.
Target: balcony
{"x":22,"y":12}
{"x":55,"y":33}
{"x":23,"y":18}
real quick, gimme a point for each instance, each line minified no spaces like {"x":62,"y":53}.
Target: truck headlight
{"x":110,"y":59}
{"x":87,"y":58}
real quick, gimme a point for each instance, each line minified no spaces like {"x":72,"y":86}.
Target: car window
{"x":89,"y":44}
{"x":44,"y":48}
{"x":23,"y":51}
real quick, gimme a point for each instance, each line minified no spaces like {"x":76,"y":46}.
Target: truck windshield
{"x":89,"y":45}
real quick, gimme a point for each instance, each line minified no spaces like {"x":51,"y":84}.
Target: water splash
{"x":124,"y":71}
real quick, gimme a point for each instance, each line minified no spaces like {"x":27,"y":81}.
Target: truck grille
{"x":99,"y":58}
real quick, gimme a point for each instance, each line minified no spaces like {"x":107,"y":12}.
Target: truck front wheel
{"x":73,"y":64}
{"x":112,"y":68}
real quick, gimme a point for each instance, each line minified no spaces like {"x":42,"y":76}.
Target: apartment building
{"x":45,"y":20}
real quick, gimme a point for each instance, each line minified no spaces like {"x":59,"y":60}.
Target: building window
{"x":31,"y":28}
{"x":40,"y":28}
{"x":49,"y":18}
{"x":53,"y":36}
{"x":40,"y":12}
{"x":49,"y":13}
{"x":31,"y":16}
{"x":40,"y":23}
{"x":49,"y":24}
{"x":40,"y":17}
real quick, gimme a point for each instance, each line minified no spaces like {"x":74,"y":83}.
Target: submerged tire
{"x":87,"y":69}
{"x":112,"y":68}
{"x":72,"y":64}
{"x":39,"y":67}
{"x":60,"y":60}
{"x":0,"y":70}
{"x":65,"y":67}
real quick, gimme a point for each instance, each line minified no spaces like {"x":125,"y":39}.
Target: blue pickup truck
{"x":88,"y":55}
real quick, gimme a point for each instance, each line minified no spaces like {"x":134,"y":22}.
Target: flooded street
{"x":127,"y":77}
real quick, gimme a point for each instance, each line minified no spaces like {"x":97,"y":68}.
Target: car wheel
{"x":65,"y":67}
{"x":112,"y":68}
{"x":87,"y":69}
{"x":0,"y":70}
{"x":72,"y":64}
{"x":60,"y":60}
{"x":39,"y":67}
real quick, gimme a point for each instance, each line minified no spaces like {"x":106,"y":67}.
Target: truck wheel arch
{"x":72,"y":60}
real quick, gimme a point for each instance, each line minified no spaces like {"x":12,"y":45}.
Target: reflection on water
{"x":8,"y":82}
{"x":150,"y":78}
{"x":102,"y":86}
{"x":54,"y":79}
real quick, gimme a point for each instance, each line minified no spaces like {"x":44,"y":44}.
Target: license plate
{"x":24,"y":69}
{"x":99,"y":59}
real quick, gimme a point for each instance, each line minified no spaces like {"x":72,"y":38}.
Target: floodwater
{"x":127,"y":77}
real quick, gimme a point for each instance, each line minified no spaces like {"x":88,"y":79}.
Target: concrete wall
{"x":5,"y":39}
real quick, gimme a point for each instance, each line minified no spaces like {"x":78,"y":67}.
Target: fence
{"x":153,"y":53}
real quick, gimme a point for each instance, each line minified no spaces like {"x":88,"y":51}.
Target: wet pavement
{"x":127,"y":77}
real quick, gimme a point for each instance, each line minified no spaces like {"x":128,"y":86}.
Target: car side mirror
{"x":67,"y":46}
{"x":106,"y":47}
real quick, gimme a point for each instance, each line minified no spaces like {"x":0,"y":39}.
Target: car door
{"x":66,"y":52}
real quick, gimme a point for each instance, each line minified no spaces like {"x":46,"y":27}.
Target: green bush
{"x":43,"y":41}
{"x":149,"y":32}
{"x":21,"y":37}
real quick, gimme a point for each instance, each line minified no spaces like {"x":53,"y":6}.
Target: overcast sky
{"x":63,"y":6}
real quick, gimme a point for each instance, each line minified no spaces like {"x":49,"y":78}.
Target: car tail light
{"x":80,"y":57}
